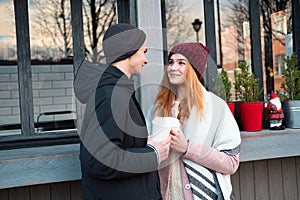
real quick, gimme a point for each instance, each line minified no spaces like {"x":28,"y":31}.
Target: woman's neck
{"x":180,"y":92}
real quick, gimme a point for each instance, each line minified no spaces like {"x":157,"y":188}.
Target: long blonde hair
{"x":167,"y":94}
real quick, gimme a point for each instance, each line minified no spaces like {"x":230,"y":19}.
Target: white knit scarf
{"x":217,"y":129}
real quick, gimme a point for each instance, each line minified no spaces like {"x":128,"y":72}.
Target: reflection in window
{"x":277,"y":35}
{"x":279,"y":64}
{"x":179,"y":18}
{"x":279,"y":27}
{"x":235,"y":33}
{"x":9,"y":89}
{"x":7,"y":31}
{"x":50,"y":29}
{"x":53,"y":97}
{"x":52,"y":76}
{"x":276,"y":28}
{"x":97,"y":17}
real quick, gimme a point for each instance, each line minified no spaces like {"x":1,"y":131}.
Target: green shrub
{"x":291,"y":83}
{"x":223,"y":86}
{"x":246,"y":85}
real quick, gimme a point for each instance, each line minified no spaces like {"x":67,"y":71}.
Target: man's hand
{"x":162,"y":147}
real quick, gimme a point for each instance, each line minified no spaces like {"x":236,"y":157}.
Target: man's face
{"x":138,"y":60}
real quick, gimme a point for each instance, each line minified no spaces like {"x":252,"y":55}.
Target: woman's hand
{"x":178,"y":141}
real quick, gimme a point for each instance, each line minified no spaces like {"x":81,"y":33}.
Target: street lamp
{"x":197,"y":26}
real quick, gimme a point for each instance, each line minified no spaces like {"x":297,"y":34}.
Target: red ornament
{"x":275,"y":113}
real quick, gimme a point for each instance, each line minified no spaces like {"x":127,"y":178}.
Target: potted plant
{"x":290,"y":95}
{"x":248,"y":91}
{"x":223,"y":88}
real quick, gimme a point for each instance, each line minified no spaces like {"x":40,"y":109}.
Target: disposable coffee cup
{"x":161,"y":127}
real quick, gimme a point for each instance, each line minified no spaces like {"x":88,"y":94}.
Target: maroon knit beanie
{"x":196,"y":53}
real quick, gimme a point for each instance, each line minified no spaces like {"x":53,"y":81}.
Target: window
{"x":279,"y":64}
{"x":96,"y":25}
{"x":51,"y":48}
{"x":9,"y":89}
{"x":7,"y":34}
{"x":52,"y":74}
{"x":275,"y":29}
{"x":52,"y":71}
{"x":50,"y":30}
{"x":179,"y":18}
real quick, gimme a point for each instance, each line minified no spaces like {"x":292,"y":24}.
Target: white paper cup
{"x":161,"y":127}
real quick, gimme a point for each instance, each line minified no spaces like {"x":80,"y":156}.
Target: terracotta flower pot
{"x":251,"y":115}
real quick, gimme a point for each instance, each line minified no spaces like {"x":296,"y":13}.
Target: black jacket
{"x":116,"y":162}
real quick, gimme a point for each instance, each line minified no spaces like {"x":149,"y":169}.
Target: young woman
{"x":205,"y":152}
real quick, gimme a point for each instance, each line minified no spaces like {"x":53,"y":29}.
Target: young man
{"x":118,"y":161}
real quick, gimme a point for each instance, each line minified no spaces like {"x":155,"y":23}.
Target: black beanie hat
{"x":122,"y":41}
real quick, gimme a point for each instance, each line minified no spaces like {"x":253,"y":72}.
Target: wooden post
{"x":77,"y":33}
{"x":78,"y":49}
{"x":210,"y":31}
{"x":255,"y":36}
{"x":24,"y":67}
{"x":210,"y":36}
{"x":296,"y":29}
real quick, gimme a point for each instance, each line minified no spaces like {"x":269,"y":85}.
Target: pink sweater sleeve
{"x":212,"y":158}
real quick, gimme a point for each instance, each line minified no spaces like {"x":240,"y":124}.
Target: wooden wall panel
{"x":272,"y":179}
{"x":268,"y":179}
{"x":247,"y":181}
{"x":19,"y":193}
{"x":289,"y":178}
{"x":4,"y":194}
{"x":38,"y":192}
{"x":298,"y":175}
{"x":52,"y":191}
{"x":235,"y":181}
{"x":76,"y":192}
{"x":261,"y":180}
{"x":60,"y":191}
{"x":275,"y":179}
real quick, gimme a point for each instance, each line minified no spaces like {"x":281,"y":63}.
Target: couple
{"x":118,"y":158}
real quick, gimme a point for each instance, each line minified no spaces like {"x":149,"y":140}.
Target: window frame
{"x":24,"y":59}
{"x":28,"y":137}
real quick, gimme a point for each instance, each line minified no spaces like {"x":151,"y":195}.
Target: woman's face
{"x":176,"y":69}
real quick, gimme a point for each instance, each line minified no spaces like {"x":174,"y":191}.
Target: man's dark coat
{"x":116,"y":162}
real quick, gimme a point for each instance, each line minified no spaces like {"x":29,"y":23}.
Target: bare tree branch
{"x":53,"y":27}
{"x":98,"y":16}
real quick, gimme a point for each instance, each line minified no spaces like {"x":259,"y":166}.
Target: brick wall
{"x":52,"y":91}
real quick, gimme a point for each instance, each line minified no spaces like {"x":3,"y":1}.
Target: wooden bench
{"x":55,"y":124}
{"x":46,"y":125}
